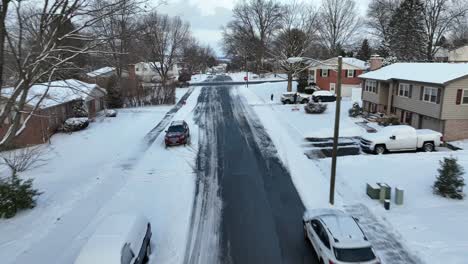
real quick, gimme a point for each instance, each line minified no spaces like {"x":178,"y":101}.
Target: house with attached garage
{"x":423,"y":95}
{"x":325,"y":76}
{"x":55,"y":102}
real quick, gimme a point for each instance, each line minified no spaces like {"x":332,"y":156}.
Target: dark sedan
{"x":323,"y":96}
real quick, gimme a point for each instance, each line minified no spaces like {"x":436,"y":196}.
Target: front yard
{"x":431,"y":227}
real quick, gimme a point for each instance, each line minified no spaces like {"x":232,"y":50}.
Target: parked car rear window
{"x":176,"y":129}
{"x":354,"y":254}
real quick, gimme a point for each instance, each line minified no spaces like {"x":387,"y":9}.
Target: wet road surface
{"x":246,"y":209}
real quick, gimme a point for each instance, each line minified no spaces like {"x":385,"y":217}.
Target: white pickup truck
{"x":400,"y":138}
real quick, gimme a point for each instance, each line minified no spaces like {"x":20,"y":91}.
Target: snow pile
{"x":75,"y":124}
{"x":111,"y":113}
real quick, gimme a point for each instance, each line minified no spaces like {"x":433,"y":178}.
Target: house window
{"x":465,"y":97}
{"x":350,"y":73}
{"x":430,"y":94}
{"x":404,"y":90}
{"x":137,"y":69}
{"x":324,"y":72}
{"x":371,"y":86}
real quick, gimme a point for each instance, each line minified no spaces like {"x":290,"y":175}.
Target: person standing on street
{"x":295,"y":98}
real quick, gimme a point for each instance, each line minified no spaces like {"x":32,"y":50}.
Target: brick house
{"x":423,"y":95}
{"x":55,"y":108}
{"x":325,"y":76}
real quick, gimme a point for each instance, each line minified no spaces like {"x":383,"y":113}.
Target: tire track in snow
{"x":203,"y":242}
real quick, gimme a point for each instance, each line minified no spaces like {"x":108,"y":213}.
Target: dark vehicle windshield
{"x":354,"y":254}
{"x":176,"y":129}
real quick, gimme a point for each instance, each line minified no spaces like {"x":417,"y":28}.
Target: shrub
{"x":111,"y":113}
{"x":15,"y":195}
{"x":315,"y":108}
{"x":302,"y":82}
{"x":75,"y":124}
{"x":389,"y":121}
{"x":185,"y":77}
{"x":79,"y":109}
{"x":355,"y":110}
{"x":450,"y":181}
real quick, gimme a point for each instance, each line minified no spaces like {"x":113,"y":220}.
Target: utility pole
{"x":336,"y":132}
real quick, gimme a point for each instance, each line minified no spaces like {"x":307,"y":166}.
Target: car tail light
{"x":442,"y":139}
{"x":331,"y":262}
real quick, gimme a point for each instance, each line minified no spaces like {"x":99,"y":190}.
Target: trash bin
{"x":399,"y":195}
{"x":373,"y":191}
{"x":387,"y":204}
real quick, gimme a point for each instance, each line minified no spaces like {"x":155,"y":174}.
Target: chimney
{"x":376,"y":62}
{"x":131,"y":72}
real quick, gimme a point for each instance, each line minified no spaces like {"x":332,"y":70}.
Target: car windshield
{"x":176,"y":129}
{"x":354,"y":254}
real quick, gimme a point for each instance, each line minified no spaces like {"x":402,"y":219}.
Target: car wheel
{"x":379,"y":149}
{"x":428,"y":147}
{"x":305,"y":101}
{"x":287,"y":102}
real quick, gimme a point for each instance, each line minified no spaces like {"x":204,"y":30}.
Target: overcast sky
{"x":206,"y":17}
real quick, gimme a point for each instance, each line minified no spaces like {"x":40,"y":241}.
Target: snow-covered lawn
{"x":107,"y":168}
{"x":431,"y":227}
{"x":239,"y":77}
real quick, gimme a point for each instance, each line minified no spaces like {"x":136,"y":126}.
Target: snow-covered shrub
{"x":355,"y":110}
{"x":15,"y":195}
{"x":75,"y":124}
{"x":111,"y":113}
{"x":79,"y":109}
{"x":450,"y":181}
{"x":315,"y":108}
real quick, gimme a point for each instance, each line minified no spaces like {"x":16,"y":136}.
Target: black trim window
{"x":430,"y":94}
{"x":371,"y":86}
{"x":465,"y":96}
{"x":324,"y":72}
{"x":404,"y":90}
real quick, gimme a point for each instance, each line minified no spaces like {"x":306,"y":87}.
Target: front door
{"x":332,"y":87}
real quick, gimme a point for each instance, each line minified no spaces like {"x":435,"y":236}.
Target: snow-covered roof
{"x":101,"y":71}
{"x":59,"y":92}
{"x":106,"y":244}
{"x":353,"y":62}
{"x":323,"y":93}
{"x":437,"y":73}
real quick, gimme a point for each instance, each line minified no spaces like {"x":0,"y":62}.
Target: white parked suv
{"x":337,"y":238}
{"x":401,"y":138}
{"x":288,"y":98}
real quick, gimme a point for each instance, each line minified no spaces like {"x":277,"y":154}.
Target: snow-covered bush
{"x":79,"y":109}
{"x":389,"y":121}
{"x":315,"y":108}
{"x":450,"y":181}
{"x":15,"y":195}
{"x":355,"y":110}
{"x":75,"y":124}
{"x":111,"y":113}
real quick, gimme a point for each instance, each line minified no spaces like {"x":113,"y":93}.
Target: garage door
{"x":431,"y":123}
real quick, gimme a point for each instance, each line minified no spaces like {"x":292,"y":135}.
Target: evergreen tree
{"x":450,"y":181}
{"x":114,"y":96}
{"x":407,"y":33}
{"x":364,"y":52}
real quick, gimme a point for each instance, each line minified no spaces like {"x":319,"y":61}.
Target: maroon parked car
{"x":178,"y":133}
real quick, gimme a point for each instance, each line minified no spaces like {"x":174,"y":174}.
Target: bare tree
{"x":297,"y":34}
{"x":46,"y":55}
{"x":163,"y":40}
{"x":23,"y":159}
{"x":253,"y":25}
{"x":440,"y":16}
{"x":379,"y":15}
{"x":339,"y":22}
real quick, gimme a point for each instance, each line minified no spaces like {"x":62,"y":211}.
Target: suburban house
{"x":325,"y":76}
{"x":146,"y":71}
{"x":56,"y":106}
{"x":423,"y":95}
{"x":458,"y":55}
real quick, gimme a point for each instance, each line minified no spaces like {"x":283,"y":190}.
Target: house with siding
{"x":59,"y":97}
{"x":423,"y":95}
{"x":325,"y":74}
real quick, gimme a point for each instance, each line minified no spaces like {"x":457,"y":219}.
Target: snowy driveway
{"x":247,"y":209}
